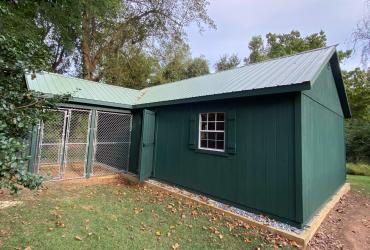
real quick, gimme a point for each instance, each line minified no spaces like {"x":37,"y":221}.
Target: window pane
{"x":211,"y":144}
{"x":211,"y":116}
{"x":220,"y":145}
{"x":203,"y":135}
{"x":220,"y":136}
{"x":220,"y":117}
{"x":212,"y":136}
{"x":203,"y":143}
{"x":211,"y":126}
{"x":220,"y":126}
{"x":203,"y":117}
{"x":204,"y":126}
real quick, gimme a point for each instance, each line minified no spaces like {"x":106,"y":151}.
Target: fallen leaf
{"x":78,"y":238}
{"x":175,"y":246}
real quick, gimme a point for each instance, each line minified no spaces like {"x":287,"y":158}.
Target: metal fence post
{"x":90,"y":147}
{"x":33,"y":148}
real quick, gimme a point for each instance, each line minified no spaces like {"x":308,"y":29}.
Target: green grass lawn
{"x":120,"y":217}
{"x":360,"y":184}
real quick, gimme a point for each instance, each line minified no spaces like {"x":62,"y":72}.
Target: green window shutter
{"x":193,"y":131}
{"x":231,"y":132}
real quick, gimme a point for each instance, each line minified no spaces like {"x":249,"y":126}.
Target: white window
{"x":212,"y":131}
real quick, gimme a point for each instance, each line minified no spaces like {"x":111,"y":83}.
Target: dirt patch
{"x":347,"y":225}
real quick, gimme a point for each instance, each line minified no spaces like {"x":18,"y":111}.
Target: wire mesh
{"x":76,"y":144}
{"x":51,"y":146}
{"x":112,"y":143}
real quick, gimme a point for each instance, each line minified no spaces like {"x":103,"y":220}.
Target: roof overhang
{"x":254,"y":92}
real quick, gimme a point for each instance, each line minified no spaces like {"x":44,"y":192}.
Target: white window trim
{"x":200,"y":130}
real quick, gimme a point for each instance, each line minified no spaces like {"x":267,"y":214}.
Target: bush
{"x":358,"y":169}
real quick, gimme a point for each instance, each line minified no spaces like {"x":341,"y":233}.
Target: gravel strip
{"x":256,"y":217}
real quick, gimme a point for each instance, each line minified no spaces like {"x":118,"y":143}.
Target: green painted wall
{"x":323,"y":148}
{"x":135,"y":141}
{"x":260,"y":175}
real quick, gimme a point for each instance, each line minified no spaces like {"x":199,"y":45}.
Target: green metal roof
{"x":284,"y":71}
{"x":285,"y":74}
{"x":83,"y":91}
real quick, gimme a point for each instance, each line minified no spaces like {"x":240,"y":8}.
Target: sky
{"x":238,"y":20}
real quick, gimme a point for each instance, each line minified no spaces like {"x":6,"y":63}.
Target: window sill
{"x":211,"y":152}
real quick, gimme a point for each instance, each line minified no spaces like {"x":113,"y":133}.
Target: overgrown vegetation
{"x":360,"y":168}
{"x":20,"y":109}
{"x":122,"y":217}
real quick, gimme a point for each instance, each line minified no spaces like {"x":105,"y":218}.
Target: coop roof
{"x":82,"y":91}
{"x":285,"y":74}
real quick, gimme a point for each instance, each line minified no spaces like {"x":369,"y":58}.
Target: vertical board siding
{"x":135,"y":140}
{"x":259,"y":176}
{"x":324,"y":91}
{"x":323,"y":147}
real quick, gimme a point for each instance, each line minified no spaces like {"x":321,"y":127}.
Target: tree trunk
{"x":87,"y":68}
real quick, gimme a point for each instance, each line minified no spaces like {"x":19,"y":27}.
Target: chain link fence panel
{"x":112,"y":143}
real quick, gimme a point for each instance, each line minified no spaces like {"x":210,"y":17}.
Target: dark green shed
{"x":267,"y":137}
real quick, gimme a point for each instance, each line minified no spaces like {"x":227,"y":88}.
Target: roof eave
{"x":334,"y":63}
{"x":254,"y":92}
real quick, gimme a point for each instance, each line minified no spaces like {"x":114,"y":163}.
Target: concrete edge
{"x":300,"y":239}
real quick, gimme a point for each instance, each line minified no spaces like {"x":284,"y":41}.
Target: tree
{"x":227,"y":62}
{"x":104,"y":28}
{"x":278,"y":45}
{"x":131,"y":67}
{"x":196,"y":67}
{"x":361,"y":36}
{"x":257,"y":49}
{"x":177,"y":64}
{"x":20,"y":109}
{"x":357,"y":83}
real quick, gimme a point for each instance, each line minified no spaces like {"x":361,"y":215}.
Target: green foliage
{"x":177,"y":63}
{"x":359,"y":168}
{"x":278,"y":45}
{"x":357,"y":83}
{"x":196,"y":67}
{"x":20,"y":109}
{"x":227,"y":62}
{"x":132,"y":68}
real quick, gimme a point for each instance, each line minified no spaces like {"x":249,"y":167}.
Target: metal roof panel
{"x":284,"y":71}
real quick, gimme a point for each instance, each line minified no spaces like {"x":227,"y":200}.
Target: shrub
{"x":358,"y":169}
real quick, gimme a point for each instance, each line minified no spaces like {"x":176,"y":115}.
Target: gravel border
{"x":252,"y":216}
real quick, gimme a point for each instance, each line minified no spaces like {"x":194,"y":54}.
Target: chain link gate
{"x":64,"y":143}
{"x":76,"y":144}
{"x":51,"y":146}
{"x":112,"y":143}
